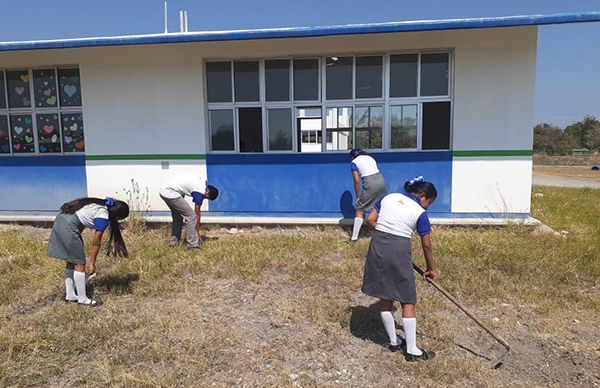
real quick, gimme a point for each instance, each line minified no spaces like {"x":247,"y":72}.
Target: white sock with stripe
{"x":410,"y":334}
{"x":358,"y":221}
{"x":390,"y":326}
{"x":80,"y":285}
{"x":70,"y":284}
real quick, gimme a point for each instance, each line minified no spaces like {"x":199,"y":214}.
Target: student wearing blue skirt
{"x":388,"y":273}
{"x":66,"y":242}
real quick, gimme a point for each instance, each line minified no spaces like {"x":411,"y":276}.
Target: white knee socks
{"x":390,"y":326}
{"x":410,"y":333}
{"x":358,"y":221}
{"x":69,"y":285}
{"x":80,"y":285}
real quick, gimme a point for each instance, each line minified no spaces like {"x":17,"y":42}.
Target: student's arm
{"x":356,"y":179}
{"x":372,"y":218}
{"x":197,"y":211}
{"x":96,"y":242}
{"x":428,"y":253}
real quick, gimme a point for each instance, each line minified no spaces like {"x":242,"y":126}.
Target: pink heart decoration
{"x":19,"y":90}
{"x":18,"y":146}
{"x":48,"y":129}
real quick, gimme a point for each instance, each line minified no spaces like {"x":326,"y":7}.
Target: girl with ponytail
{"x":66,"y":242}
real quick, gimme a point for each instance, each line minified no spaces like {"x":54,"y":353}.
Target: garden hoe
{"x":495,"y":363}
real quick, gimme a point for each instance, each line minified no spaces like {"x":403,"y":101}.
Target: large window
{"x":394,"y":101}
{"x":40,"y":111}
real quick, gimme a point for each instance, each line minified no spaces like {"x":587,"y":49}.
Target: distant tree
{"x":550,"y":140}
{"x":585,"y":133}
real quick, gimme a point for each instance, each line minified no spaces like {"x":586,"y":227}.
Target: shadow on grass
{"x":365,"y":323}
{"x":114,"y":284}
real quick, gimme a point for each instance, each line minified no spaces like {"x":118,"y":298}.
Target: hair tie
{"x":109,"y":201}
{"x":417,"y":179}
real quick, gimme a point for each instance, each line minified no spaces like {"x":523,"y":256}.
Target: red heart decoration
{"x":48,"y":129}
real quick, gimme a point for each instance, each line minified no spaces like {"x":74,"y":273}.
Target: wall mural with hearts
{"x":48,"y":133}
{"x":4,"y":140}
{"x":21,"y":129}
{"x":17,"y":82}
{"x":2,"y":91}
{"x":72,"y":129}
{"x":70,"y":87}
{"x":44,"y":88}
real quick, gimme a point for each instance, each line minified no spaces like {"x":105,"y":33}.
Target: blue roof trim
{"x":304,"y":32}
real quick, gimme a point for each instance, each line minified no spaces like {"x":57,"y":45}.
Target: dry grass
{"x":568,"y":160}
{"x":282,"y":307}
{"x":574,"y":172}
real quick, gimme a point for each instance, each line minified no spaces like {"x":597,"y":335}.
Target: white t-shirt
{"x":181,"y":185}
{"x":93,"y":216}
{"x":365,"y":165}
{"x":400,"y":214}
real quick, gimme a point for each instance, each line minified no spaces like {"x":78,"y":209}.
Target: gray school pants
{"x":180,"y":211}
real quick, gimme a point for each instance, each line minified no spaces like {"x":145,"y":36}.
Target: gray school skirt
{"x":388,"y":269}
{"x":373,"y":189}
{"x":65,"y":240}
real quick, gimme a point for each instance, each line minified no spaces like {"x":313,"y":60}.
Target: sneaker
{"x":193,"y":247}
{"x":90,"y":303}
{"x":427,"y":355}
{"x":398,"y":348}
{"x":173,"y":242}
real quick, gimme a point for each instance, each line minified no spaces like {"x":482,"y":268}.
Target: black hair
{"x":213,"y":192}
{"x":356,"y":152}
{"x":421,"y":187}
{"x":117,"y":210}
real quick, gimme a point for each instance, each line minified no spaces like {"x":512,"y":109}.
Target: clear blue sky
{"x":568,"y":73}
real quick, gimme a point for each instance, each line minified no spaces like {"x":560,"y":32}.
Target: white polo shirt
{"x":93,"y":216}
{"x":365,"y":165}
{"x":181,"y":185}
{"x":402,"y":214}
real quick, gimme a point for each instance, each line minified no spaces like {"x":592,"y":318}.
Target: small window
{"x":48,"y":129}
{"x":246,"y":81}
{"x":306,"y":79}
{"x":339,"y":78}
{"x":339,"y":129}
{"x":218,"y":81}
{"x":72,"y":129}
{"x":44,"y":89}
{"x":250,"y":126}
{"x":369,"y":77}
{"x":70,"y":87}
{"x":18,"y":89}
{"x":4,"y":139}
{"x":309,"y":129}
{"x":369,"y":120}
{"x":404,"y":126}
{"x":21,"y":129}
{"x":221,"y":130}
{"x":403,"y":75}
{"x":434,"y":74}
{"x":280,"y":129}
{"x":436,"y":126}
{"x":277,"y":80}
{"x":2,"y":91}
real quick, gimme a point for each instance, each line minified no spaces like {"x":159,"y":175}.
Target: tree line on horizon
{"x":552,"y":140}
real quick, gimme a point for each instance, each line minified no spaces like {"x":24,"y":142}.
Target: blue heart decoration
{"x":4,"y":148}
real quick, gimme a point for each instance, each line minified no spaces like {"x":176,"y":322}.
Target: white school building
{"x":268,"y":116}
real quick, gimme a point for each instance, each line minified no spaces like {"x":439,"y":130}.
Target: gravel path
{"x":547,"y":180}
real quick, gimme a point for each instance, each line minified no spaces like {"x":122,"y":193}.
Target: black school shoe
{"x":427,"y":355}
{"x":398,"y":348}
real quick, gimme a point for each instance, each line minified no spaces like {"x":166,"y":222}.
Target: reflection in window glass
{"x":21,"y":129}
{"x":306,"y":79}
{"x":218,"y":81}
{"x":339,"y":78}
{"x":369,"y":77}
{"x":436,"y":126}
{"x":44,"y":89}
{"x":48,"y":129}
{"x":18,"y":89}
{"x":309,"y":129}
{"x":2,"y":91}
{"x":246,"y":81}
{"x":404,"y":126}
{"x":277,"y":80}
{"x":4,"y":139}
{"x":369,"y":121}
{"x":70,"y":87}
{"x":403,"y":75}
{"x":221,"y":130}
{"x":250,"y":126}
{"x":72,"y":129}
{"x":434,"y":74}
{"x":339,"y":129}
{"x":280,"y":129}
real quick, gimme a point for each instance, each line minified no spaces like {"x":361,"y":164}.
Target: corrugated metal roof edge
{"x":304,"y":32}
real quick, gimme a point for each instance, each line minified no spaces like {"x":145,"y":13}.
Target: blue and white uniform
{"x":181,"y":185}
{"x":400,"y":214}
{"x":93,"y":216}
{"x":373,"y":185}
{"x":365,"y":165}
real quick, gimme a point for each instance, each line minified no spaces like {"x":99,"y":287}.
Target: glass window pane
{"x":21,"y":129}
{"x":339,"y":78}
{"x":339,"y":129}
{"x":218,"y":81}
{"x":368,"y":127}
{"x":344,"y":117}
{"x":280,"y":129}
{"x":44,"y":89}
{"x":221,"y":130}
{"x":246,"y":81}
{"x":2,"y":91}
{"x":70,"y":87}
{"x":362,"y":117}
{"x":4,"y":139}
{"x":436,"y":126}
{"x":48,"y":133}
{"x":403,"y":75}
{"x":277,"y":80}
{"x":369,"y":76}
{"x":404,"y":126}
{"x":434,"y":74}
{"x":309,"y":131}
{"x":306,"y":79}
{"x":250,"y":126}
{"x":72,"y":130}
{"x":18,"y":89}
